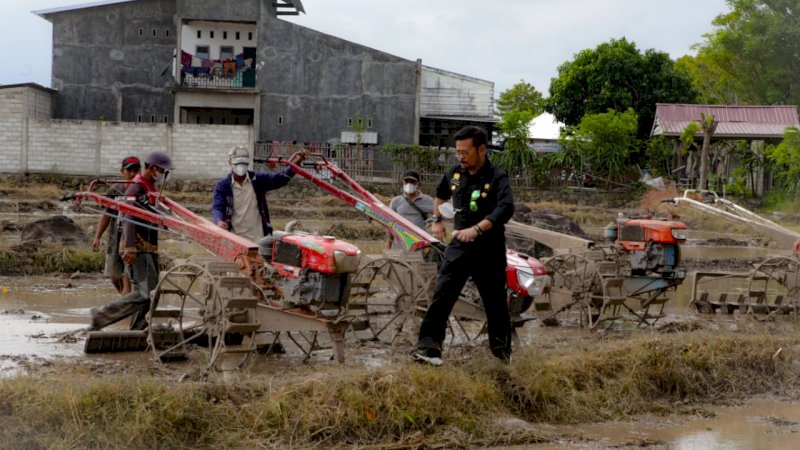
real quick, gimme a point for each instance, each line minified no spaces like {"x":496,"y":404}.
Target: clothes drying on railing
{"x":235,"y":68}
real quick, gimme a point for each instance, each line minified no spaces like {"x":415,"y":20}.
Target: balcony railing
{"x":207,"y":78}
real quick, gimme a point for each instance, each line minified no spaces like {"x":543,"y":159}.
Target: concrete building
{"x":239,"y":63}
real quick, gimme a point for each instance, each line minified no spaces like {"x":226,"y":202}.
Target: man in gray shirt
{"x":413,"y":205}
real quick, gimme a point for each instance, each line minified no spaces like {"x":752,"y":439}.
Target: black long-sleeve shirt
{"x":495,"y":201}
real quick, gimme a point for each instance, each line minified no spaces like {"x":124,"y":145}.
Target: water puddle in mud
{"x":759,"y":425}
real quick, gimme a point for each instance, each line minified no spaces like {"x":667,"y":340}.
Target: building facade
{"x":239,"y":63}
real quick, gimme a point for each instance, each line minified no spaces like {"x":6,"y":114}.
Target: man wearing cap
{"x":239,"y":202}
{"x":413,"y":205}
{"x":115,"y":267}
{"x":140,"y":249}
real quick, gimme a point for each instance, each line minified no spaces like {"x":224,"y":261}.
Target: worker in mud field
{"x":115,"y":267}
{"x":413,"y":205}
{"x":139,"y":244}
{"x":483,"y":204}
{"x":239,"y":201}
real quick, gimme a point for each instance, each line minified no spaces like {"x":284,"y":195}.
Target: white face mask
{"x":240,"y":169}
{"x":409,"y":188}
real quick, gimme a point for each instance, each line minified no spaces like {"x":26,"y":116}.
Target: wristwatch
{"x":436,"y":219}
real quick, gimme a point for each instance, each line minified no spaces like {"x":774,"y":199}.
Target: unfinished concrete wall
{"x":108,"y":61}
{"x":237,"y":11}
{"x":85,"y":147}
{"x":311,"y":84}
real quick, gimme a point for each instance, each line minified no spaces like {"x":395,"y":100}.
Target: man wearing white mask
{"x":413,"y":205}
{"x":239,"y":202}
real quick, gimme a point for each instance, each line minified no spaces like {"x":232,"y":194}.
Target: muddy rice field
{"x":692,"y":381}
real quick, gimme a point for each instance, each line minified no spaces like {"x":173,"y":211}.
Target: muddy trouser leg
{"x":144,"y":277}
{"x":490,"y":279}
{"x":453,"y":275}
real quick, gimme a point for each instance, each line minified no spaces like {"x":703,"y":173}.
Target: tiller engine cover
{"x":653,"y":245}
{"x":315,"y":271}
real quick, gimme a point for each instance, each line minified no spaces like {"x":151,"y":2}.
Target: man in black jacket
{"x":483,"y":203}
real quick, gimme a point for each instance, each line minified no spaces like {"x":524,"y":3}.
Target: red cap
{"x":131,"y":161}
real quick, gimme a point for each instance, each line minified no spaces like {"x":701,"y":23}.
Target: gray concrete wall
{"x":237,"y":11}
{"x":92,"y":148}
{"x":315,"y":82}
{"x":104,"y":68}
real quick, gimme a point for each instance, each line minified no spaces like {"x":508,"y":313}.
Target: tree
{"x":521,"y":97}
{"x":617,"y":76}
{"x":784,"y":161}
{"x":605,"y":141}
{"x":709,"y":126}
{"x":751,"y":55}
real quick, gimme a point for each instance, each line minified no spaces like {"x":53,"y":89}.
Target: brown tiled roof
{"x":734,"y":121}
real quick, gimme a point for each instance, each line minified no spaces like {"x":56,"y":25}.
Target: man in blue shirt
{"x":239,"y":202}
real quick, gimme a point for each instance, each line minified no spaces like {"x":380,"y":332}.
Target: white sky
{"x":503,"y":41}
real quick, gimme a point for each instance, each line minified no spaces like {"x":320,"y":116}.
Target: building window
{"x":349,"y":122}
{"x":153,"y":118}
{"x":166,"y":119}
{"x":224,"y":35}
{"x":280,"y":120}
{"x":237,"y":35}
{"x":199,"y":34}
{"x":211,"y":33}
{"x":141,"y":31}
{"x":211,"y":121}
{"x":225,"y":52}
{"x":198,"y":120}
{"x":138,"y":117}
{"x":249,"y":35}
{"x":201,"y":51}
{"x":369,"y":123}
{"x":166,"y":33}
{"x":154,"y":32}
{"x":360,"y":122}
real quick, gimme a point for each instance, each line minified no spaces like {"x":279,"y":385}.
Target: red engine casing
{"x":516,"y":263}
{"x":634,"y":234}
{"x":292,"y":253}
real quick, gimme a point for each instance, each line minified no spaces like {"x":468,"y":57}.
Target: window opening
{"x":350,"y":122}
{"x":166,"y":119}
{"x":280,"y":120}
{"x":153,"y":118}
{"x":141,"y":31}
{"x":154,"y":32}
{"x":211,"y":33}
{"x":224,"y":35}
{"x":138,"y":117}
{"x":201,"y":51}
{"x":369,"y":123}
{"x":166,"y":33}
{"x":225,"y":52}
{"x":199,"y":34}
{"x":249,"y":35}
{"x":237,"y":35}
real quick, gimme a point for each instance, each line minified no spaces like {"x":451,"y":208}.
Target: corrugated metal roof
{"x":734,"y":121}
{"x":44,"y":12}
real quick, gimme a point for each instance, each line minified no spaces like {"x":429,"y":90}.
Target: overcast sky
{"x":503,"y":41}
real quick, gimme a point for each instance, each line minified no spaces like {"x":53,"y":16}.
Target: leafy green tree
{"x":605,"y":141}
{"x":520,"y":97}
{"x":616,"y":75}
{"x":659,"y":155}
{"x":784,"y":160}
{"x":751,"y":56}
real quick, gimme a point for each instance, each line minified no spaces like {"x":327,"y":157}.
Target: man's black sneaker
{"x":421,"y":356}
